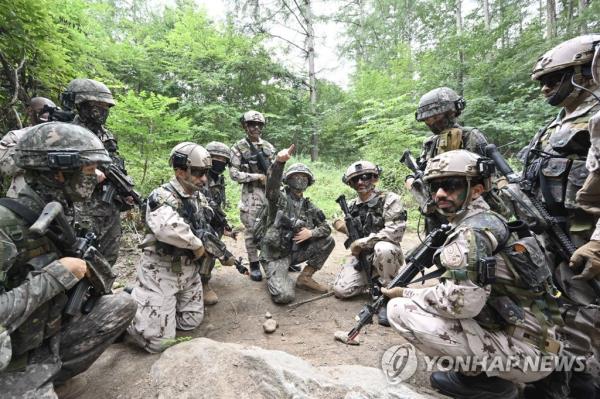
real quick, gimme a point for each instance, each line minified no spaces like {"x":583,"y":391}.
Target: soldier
{"x":39,"y":346}
{"x":91,"y":101}
{"x":249,"y":168}
{"x":214,"y":191}
{"x":383,"y":220}
{"x":34,"y":110}
{"x":555,"y":165}
{"x":168,"y":288}
{"x":492,"y":301}
{"x":296,"y":231}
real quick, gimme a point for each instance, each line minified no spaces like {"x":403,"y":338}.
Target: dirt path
{"x":306,"y":332}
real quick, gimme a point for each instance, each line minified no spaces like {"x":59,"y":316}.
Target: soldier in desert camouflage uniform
{"x":168,"y":288}
{"x":486,"y":303}
{"x":246,"y":170}
{"x":39,"y":347}
{"x":383,"y":219}
{"x":296,"y":231}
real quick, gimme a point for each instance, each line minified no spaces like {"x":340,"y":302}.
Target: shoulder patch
{"x":452,"y":256}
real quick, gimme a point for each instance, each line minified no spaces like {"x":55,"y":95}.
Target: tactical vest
{"x":249,"y":163}
{"x":370,"y":214}
{"x":455,"y":138}
{"x":531,"y":286}
{"x":32,"y":254}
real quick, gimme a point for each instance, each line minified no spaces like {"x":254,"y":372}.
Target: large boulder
{"x":203,"y":368}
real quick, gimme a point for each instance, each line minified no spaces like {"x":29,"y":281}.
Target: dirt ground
{"x":307,"y":331}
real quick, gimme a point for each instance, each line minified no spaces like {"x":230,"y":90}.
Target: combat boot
{"x":460,"y":386}
{"x":382,"y":318}
{"x":305,"y":281}
{"x":255,"y":273}
{"x":72,"y":388}
{"x":210,"y":296}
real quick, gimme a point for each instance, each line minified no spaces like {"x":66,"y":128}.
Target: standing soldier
{"x":91,"y":101}
{"x":493,"y":300}
{"x":214,"y":191}
{"x":296,"y":231}
{"x":168,"y":289}
{"x":555,"y":166}
{"x":40,"y":347}
{"x":250,"y":160}
{"x":383,"y":221}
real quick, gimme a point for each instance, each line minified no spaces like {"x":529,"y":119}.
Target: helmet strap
{"x":581,"y":88}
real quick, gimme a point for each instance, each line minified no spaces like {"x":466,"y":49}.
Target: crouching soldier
{"x":495,"y":299}
{"x":168,"y":289}
{"x":296,"y":231}
{"x":382,"y":220}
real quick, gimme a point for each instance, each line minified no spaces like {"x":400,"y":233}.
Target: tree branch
{"x":295,"y":16}
{"x":287,"y":41}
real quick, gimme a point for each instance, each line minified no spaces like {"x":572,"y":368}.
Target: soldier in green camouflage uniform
{"x":245,"y":169}
{"x":487,"y":304}
{"x":39,"y":347}
{"x":214,"y":191}
{"x":296,"y":231}
{"x":92,"y":100}
{"x":555,"y":166}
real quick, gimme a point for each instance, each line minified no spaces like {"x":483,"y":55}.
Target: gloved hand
{"x":340,"y":225}
{"x":396,"y":292}
{"x":198,"y":253}
{"x":358,"y":246}
{"x":228,"y":262}
{"x":588,"y":257}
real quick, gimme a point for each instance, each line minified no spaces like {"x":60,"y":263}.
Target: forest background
{"x":177,"y":75}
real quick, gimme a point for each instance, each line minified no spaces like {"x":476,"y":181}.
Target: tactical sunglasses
{"x":363,"y":177}
{"x":551,"y":79}
{"x":448,"y":185}
{"x":198,"y":172}
{"x":255,"y":124}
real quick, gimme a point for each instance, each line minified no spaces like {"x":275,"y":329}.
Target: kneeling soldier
{"x":383,"y":221}
{"x":296,"y":231}
{"x":168,"y":289}
{"x":495,"y":298}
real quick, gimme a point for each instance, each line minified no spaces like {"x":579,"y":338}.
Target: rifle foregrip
{"x":492,"y":152}
{"x":75,"y":301}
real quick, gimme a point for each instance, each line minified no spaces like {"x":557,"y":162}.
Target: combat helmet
{"x":299,"y":168}
{"x":220,"y":149}
{"x":439,"y":101}
{"x":569,"y":61}
{"x":189,"y":155}
{"x":80,"y":90}
{"x":359,"y":168}
{"x":253,"y":116}
{"x":59,"y":146}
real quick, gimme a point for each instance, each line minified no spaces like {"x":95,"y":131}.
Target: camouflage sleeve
{"x":422,"y":160}
{"x":166,"y":223}
{"x":235,"y":169}
{"x":274,"y":176}
{"x":321,"y":228}
{"x":7,"y":150}
{"x":476,"y":142}
{"x":456,"y":297}
{"x":394,"y":217}
{"x":19,"y":303}
{"x":593,"y":157}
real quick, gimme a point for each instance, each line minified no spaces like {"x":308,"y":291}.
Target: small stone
{"x":342,"y":336}
{"x":268,"y":315}
{"x":210,"y":327}
{"x":270,"y":326}
{"x":297,"y":323}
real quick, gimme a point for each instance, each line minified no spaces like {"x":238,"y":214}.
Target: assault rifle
{"x":355,"y":231}
{"x":263,"y":163}
{"x":55,"y":114}
{"x":100,"y":278}
{"x":534,"y":208}
{"x":418,"y":188}
{"x":290,"y":226}
{"x":119,"y":183}
{"x":417,"y":260}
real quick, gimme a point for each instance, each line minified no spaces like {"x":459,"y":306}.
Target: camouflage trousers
{"x":107,"y":229}
{"x":169,"y":297}
{"x":435,"y":335}
{"x":250,"y":204}
{"x":283,"y":288}
{"x":387,"y":258}
{"x":82,"y":340}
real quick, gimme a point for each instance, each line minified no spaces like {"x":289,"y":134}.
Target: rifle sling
{"x":434,"y":274}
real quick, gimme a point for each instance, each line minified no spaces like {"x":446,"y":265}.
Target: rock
{"x":342,"y":336}
{"x":203,"y":368}
{"x":270,"y":326}
{"x":268,"y":315}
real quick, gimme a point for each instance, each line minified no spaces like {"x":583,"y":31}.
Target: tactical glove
{"x":396,"y":292}
{"x":588,"y":258}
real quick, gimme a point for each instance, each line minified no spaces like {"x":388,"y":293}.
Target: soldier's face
{"x":254,"y":130}
{"x":364,"y":183}
{"x":192,"y":179}
{"x":448,"y":194}
{"x":437,"y":123}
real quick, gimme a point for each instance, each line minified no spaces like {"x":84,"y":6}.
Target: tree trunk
{"x":486,"y":14}
{"x":312,"y":80}
{"x":582,"y":5}
{"x":550,"y":19}
{"x":461,"y":54}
